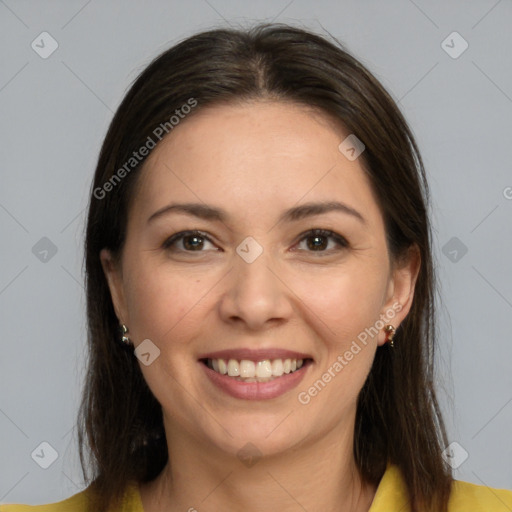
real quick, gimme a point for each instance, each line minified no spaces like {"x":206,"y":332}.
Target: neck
{"x":320,"y":475}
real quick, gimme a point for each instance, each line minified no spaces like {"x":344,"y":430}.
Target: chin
{"x":266,"y":435}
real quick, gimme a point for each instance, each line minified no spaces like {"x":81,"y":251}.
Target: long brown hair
{"x":121,"y":434}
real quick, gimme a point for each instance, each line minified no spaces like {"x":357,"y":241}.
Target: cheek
{"x":343,"y":302}
{"x":162,"y":304}
{"x":345,"y":305}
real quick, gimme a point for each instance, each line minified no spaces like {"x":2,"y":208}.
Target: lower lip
{"x":256,"y":390}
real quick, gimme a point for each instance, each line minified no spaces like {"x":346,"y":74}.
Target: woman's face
{"x":255,"y":286}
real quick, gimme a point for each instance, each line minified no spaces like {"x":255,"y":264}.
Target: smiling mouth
{"x":245,"y":370}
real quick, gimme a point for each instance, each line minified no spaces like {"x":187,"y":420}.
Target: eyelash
{"x":341,"y":241}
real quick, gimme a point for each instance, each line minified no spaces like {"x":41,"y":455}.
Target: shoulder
{"x":78,"y":503}
{"x":392,"y":495}
{"x":478,"y":498}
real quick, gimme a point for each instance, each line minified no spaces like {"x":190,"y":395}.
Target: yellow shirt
{"x":391,"y":496}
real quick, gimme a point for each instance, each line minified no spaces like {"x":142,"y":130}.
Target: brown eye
{"x":317,"y":242}
{"x":193,"y":242}
{"x":187,"y":241}
{"x":321,"y":240}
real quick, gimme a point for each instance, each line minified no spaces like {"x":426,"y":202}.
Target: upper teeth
{"x":250,"y":369}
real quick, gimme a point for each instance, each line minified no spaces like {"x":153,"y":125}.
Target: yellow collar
{"x":391,"y":493}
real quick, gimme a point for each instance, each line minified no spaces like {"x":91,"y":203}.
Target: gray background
{"x":55,"y":112}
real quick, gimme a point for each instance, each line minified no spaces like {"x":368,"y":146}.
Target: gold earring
{"x":390,"y":331}
{"x":124,"y":338}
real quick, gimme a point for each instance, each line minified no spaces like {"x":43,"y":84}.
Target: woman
{"x":258,"y":244}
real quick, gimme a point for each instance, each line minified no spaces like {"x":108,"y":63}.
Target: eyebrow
{"x":296,"y":213}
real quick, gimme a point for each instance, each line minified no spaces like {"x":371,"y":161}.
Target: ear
{"x":113,"y":274}
{"x":401,"y":290}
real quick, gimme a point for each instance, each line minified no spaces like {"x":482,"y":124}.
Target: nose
{"x":256,"y":295}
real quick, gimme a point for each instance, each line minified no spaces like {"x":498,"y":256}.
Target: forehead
{"x":253,"y":156}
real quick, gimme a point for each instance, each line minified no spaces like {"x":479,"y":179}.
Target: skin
{"x":256,"y":160}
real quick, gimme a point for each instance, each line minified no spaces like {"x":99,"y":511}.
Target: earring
{"x":124,"y":338}
{"x":390,"y":331}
